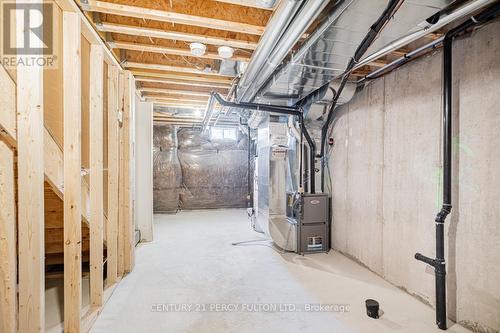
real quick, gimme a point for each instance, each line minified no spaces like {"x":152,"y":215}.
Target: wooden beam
{"x":193,"y":79}
{"x":174,"y":92}
{"x":96,"y":175}
{"x":247,"y":3}
{"x":167,"y":68}
{"x":176,"y":104}
{"x":113,"y":169}
{"x":8,"y":242}
{"x":176,"y":99}
{"x":174,"y":35}
{"x":72,"y":172}
{"x":171,"y":50}
{"x":181,"y":82}
{"x":170,"y":17}
{"x":30,"y":196}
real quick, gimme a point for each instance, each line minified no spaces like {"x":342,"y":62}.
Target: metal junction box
{"x":314,"y":223}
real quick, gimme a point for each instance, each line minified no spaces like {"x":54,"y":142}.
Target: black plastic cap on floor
{"x":372,"y":308}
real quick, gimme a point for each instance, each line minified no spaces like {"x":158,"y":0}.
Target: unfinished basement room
{"x":248,"y":166}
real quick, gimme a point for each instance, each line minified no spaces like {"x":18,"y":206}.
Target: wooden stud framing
{"x":31,"y":197}
{"x":127,"y":155}
{"x":8,"y":242}
{"x":96,"y":175}
{"x":171,"y":50}
{"x":173,"y":35}
{"x":130,"y":64}
{"x":113,"y":169}
{"x":170,"y":17}
{"x":72,"y":172}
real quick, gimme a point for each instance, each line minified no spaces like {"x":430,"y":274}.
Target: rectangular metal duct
{"x":328,"y":50}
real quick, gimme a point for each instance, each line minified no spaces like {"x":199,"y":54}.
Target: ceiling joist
{"x":139,"y":78}
{"x":174,"y":92}
{"x":160,"y":67}
{"x":170,"y":50}
{"x":176,"y":104}
{"x":177,"y":99}
{"x":170,"y":17}
{"x":247,"y":3}
{"x":184,"y":76}
{"x":173,"y":35}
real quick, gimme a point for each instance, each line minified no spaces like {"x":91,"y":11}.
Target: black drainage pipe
{"x":287,"y":110}
{"x":312,"y":157}
{"x":439,"y":263}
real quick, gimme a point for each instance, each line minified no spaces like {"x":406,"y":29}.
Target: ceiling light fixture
{"x":197,"y":49}
{"x":225,"y":52}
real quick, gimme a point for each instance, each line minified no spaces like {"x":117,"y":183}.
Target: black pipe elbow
{"x":443,"y":213}
{"x":427,"y":260}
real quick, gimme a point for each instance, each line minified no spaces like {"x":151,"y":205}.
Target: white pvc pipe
{"x":466,"y":9}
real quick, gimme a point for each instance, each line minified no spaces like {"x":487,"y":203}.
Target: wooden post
{"x":96,"y":175}
{"x":72,"y":172}
{"x":122,"y":217}
{"x":8,"y":246}
{"x":113,"y":168}
{"x":31,"y":196}
{"x":128,"y":125}
{"x":126,"y":219}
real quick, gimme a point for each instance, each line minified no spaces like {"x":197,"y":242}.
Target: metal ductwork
{"x":287,"y":25}
{"x":277,"y":25}
{"x":327,"y":52}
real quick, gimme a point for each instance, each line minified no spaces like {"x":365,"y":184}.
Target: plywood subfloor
{"x":192,"y":262}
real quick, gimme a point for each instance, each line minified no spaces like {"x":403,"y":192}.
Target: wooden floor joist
{"x":170,"y":17}
{"x":96,"y":175}
{"x":181,"y":82}
{"x":199,"y":80}
{"x":72,"y":172}
{"x":173,"y":35}
{"x":176,"y":104}
{"x":174,"y":92}
{"x":167,"y":68}
{"x":171,"y":50}
{"x":247,"y":3}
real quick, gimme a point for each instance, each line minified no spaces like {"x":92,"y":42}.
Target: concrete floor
{"x":192,"y":262}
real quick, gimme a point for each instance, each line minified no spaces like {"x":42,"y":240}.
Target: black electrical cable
{"x":360,"y":51}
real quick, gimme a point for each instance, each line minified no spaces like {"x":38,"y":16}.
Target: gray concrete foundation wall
{"x":385,"y":170}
